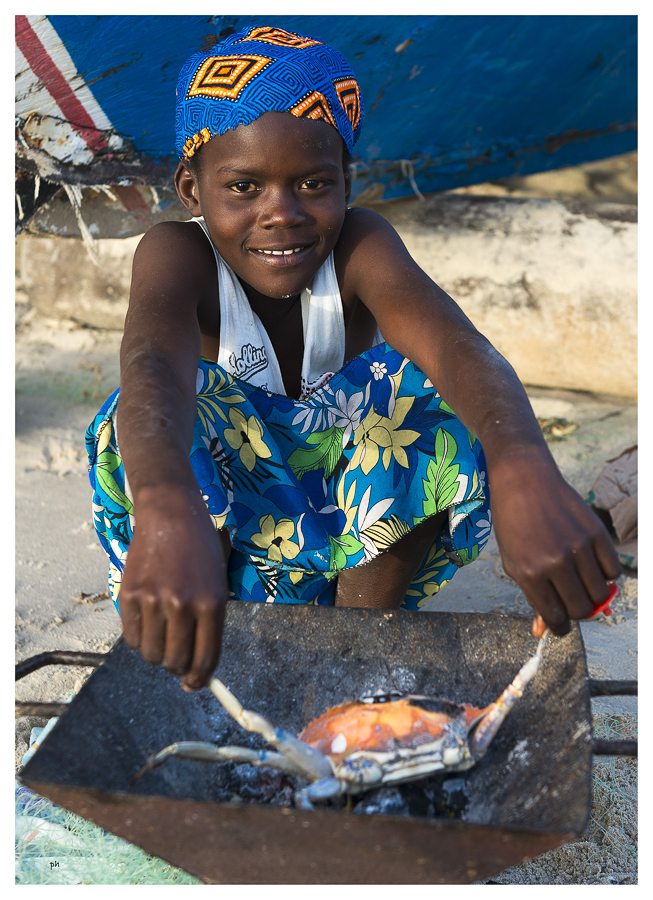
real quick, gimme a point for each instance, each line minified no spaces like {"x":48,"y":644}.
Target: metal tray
{"x":530,"y":793}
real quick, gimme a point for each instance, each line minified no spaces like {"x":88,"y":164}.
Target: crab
{"x":377,"y":740}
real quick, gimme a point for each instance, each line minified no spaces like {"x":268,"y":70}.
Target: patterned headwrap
{"x":264,"y":69}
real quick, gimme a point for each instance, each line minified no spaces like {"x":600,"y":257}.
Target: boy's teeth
{"x":281,"y":252}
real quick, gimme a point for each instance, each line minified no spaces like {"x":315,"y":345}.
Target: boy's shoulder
{"x":174,"y":258}
{"x":359,"y":221}
{"x":171,"y":246}
{"x":365,"y":225}
{"x":165,"y":237}
{"x":366,"y":238}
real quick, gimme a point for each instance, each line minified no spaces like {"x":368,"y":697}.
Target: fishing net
{"x":53,"y":846}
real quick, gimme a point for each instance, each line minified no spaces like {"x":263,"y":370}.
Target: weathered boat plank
{"x":450,"y":100}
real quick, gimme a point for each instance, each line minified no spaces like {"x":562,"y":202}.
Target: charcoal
{"x":384,"y":801}
{"x":437,"y":796}
{"x":456,"y":793}
{"x":261,"y":785}
{"x":418,"y":800}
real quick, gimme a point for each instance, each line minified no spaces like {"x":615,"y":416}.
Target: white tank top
{"x":245,"y":348}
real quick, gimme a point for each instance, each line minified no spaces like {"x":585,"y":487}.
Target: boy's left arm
{"x":551,"y":543}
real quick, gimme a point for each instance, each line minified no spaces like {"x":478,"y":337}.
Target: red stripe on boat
{"x":47,"y":72}
{"x":131,"y":198}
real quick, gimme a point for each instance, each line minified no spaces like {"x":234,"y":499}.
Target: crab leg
{"x":497,"y":712}
{"x":200,"y":750}
{"x":323,"y":789}
{"x":311,"y":764}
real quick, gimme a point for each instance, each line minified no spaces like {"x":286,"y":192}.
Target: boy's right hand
{"x":174,"y":588}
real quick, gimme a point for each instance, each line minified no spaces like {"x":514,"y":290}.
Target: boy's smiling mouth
{"x":282,"y":256}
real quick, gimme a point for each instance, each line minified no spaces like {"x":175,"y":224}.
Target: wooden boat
{"x":449,"y":100}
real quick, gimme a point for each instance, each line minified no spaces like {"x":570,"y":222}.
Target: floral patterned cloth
{"x":307,"y":488}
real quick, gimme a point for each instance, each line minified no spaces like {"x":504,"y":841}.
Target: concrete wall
{"x":552,"y":284}
{"x":57,"y":277}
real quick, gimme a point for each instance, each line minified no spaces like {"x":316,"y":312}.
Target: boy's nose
{"x":282,"y":209}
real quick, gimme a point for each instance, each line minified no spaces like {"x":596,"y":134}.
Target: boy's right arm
{"x":174,"y":587}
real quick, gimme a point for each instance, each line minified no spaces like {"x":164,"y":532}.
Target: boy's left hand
{"x":551,"y":542}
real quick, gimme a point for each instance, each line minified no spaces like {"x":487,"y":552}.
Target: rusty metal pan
{"x":530,"y":793}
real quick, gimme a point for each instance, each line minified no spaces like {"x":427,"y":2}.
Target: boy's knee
{"x":383,"y":582}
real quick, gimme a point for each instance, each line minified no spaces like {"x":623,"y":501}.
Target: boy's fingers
{"x":573,"y":592}
{"x":208,"y":640}
{"x":153,"y":632}
{"x":131,"y":621}
{"x":582,"y":584}
{"x":607,"y":557}
{"x":179,"y":644}
{"x":596,"y":585}
{"x":550,"y":608}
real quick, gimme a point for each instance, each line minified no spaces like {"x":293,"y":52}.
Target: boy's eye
{"x":313,"y":184}
{"x":242,"y":187}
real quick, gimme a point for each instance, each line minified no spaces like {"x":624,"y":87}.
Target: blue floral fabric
{"x":309,"y":488}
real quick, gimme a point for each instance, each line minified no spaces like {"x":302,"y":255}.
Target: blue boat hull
{"x":460,"y":99}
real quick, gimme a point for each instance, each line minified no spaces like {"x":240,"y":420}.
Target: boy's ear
{"x":187,"y":190}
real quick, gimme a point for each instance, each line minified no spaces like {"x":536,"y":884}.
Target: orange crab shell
{"x":383,"y":727}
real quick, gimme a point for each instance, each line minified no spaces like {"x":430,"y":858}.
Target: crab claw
{"x":485,"y":727}
{"x":323,"y":789}
{"x":311,"y":763}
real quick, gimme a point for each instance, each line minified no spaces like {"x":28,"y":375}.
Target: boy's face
{"x":274,"y":196}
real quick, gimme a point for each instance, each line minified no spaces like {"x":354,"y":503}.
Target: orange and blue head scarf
{"x":264,"y":69}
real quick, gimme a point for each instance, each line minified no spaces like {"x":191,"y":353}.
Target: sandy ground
{"x":64,"y":372}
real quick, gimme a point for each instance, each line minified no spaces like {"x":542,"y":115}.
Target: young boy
{"x":258,"y":398}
